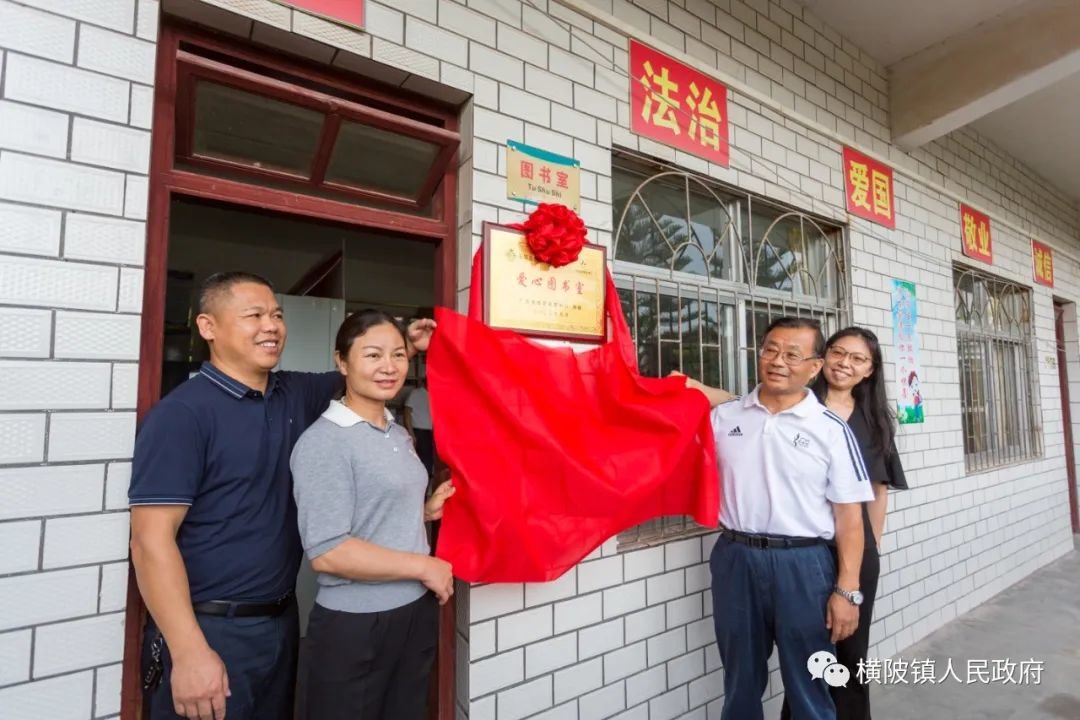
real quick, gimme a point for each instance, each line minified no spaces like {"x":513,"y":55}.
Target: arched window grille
{"x":998,"y":393}
{"x":702,"y":269}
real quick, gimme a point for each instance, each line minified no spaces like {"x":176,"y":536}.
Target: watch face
{"x":857,"y":597}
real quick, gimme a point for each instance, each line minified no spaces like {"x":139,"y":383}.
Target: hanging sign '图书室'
{"x":538,"y":176}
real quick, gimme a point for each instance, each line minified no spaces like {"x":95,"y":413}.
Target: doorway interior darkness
{"x":297,"y":154}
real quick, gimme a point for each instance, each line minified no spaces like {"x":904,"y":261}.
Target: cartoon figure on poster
{"x":909,"y":397}
{"x":916,"y":395}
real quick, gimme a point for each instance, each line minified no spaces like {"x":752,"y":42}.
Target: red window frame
{"x":192,"y":68}
{"x":178,"y":58}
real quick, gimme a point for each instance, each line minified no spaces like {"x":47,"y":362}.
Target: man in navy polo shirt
{"x":214,"y":542}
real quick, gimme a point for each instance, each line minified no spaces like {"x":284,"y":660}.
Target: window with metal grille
{"x":701,"y":270}
{"x":998,"y":393}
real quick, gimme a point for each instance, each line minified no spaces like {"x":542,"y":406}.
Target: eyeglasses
{"x":789,"y":357}
{"x":836,"y":354}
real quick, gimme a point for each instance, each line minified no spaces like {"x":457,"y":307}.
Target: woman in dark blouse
{"x":852,"y":385}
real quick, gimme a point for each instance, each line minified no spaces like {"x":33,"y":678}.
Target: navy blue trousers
{"x":853,"y":700}
{"x":259,"y":655}
{"x":763,"y":598}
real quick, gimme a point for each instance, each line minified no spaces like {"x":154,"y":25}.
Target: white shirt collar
{"x":803,"y":408}
{"x":340,"y":414}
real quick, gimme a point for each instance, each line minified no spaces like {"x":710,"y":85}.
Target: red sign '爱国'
{"x":677,"y":105}
{"x":346,"y":11}
{"x":975,"y":233}
{"x":868,"y":185}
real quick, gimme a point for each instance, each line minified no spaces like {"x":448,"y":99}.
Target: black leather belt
{"x":770,"y":541}
{"x":226,"y":608}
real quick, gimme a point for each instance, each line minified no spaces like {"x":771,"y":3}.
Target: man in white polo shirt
{"x":793,"y":480}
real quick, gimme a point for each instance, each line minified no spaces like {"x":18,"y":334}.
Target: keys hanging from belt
{"x":156,"y":671}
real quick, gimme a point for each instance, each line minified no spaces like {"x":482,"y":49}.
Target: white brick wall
{"x":50,"y":182}
{"x":62,"y":87}
{"x":21,"y":542}
{"x":67,"y":697}
{"x":84,"y":540}
{"x":96,"y":336}
{"x":76,"y":92}
{"x":643,"y":618}
{"x":33,"y":130}
{"x":14,"y":657}
{"x":627,"y":634}
{"x":68,"y":646}
{"x":38,"y":598}
{"x":44,"y":384}
{"x":29,"y":230}
{"x":30,"y":31}
{"x":22,"y":438}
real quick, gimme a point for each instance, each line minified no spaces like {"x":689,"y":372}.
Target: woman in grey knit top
{"x":360,"y":489}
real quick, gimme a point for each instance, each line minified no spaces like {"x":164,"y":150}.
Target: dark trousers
{"x":763,"y":597}
{"x":853,"y":702}
{"x":371,"y":666}
{"x":260,"y":658}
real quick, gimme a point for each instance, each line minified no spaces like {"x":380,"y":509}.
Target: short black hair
{"x":359,"y":323}
{"x":221,"y":282}
{"x":798,"y":323}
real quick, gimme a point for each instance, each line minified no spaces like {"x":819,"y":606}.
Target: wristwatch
{"x":852,"y":596}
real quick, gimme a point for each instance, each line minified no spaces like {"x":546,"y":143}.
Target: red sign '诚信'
{"x":868,"y":185}
{"x":1042,"y":257}
{"x":676,"y":105}
{"x":975,"y":234}
{"x":346,"y":11}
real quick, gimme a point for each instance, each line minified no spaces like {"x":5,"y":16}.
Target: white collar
{"x":803,"y":408}
{"x":342,"y":416}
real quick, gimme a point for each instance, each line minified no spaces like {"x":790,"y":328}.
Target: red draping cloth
{"x":551,"y":451}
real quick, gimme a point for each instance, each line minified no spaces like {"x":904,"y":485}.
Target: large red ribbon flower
{"x":555,"y":234}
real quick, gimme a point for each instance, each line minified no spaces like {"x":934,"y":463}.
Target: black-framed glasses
{"x":836,"y":354}
{"x":789,"y":357}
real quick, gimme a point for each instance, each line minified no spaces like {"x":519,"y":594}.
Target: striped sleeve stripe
{"x":161,"y":500}
{"x":852,"y":446}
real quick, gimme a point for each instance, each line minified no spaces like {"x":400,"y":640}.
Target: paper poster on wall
{"x":909,"y":398}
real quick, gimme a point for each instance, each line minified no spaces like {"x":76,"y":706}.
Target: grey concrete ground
{"x":1038,"y":618}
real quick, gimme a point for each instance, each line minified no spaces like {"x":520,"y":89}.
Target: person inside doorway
{"x":360,"y":495}
{"x":793,"y":483}
{"x":214,"y":538}
{"x":418,"y":423}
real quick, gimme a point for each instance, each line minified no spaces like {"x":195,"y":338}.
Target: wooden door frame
{"x":1066,"y":409}
{"x":167,"y":183}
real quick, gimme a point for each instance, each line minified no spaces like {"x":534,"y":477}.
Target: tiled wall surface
{"x":623,"y":635}
{"x":75,"y":97}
